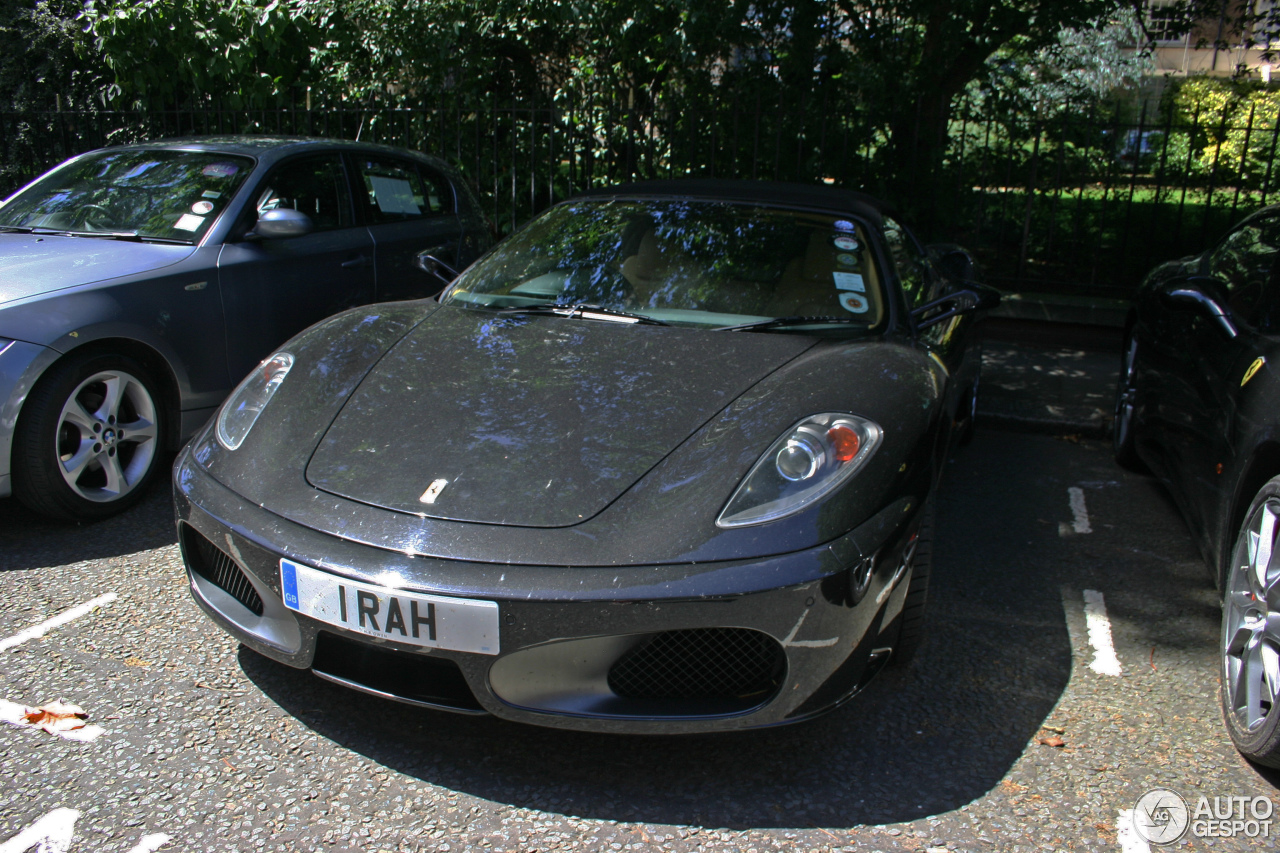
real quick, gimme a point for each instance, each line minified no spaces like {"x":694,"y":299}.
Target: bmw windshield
{"x":708,"y":264}
{"x":172,"y":196}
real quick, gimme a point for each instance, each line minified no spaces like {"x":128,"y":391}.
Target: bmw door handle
{"x":356,"y":262}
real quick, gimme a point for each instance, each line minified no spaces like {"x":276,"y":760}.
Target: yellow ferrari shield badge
{"x":1253,"y":368}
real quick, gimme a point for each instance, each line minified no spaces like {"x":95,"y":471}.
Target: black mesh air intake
{"x":211,"y":563}
{"x":701,"y":663}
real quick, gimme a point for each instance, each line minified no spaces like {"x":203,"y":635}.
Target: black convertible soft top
{"x":773,"y":193}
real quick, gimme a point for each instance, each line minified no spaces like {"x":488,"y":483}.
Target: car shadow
{"x":922,"y":740}
{"x":31,"y":541}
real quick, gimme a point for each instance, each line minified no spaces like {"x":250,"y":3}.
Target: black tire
{"x":100,"y":414}
{"x":911,"y":634}
{"x":1250,"y":697}
{"x":1122,"y":427}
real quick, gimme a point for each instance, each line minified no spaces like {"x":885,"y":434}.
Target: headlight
{"x":810,"y":460}
{"x":240,"y":412}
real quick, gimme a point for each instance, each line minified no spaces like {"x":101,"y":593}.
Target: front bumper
{"x":805,"y":630}
{"x":21,"y":364}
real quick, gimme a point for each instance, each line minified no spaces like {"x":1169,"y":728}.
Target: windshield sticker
{"x":220,"y":170}
{"x":843,"y":225}
{"x":844,"y":243}
{"x":210,"y":194}
{"x":854,"y":303}
{"x":188,"y":222}
{"x":202,"y":207}
{"x":849,"y":281}
{"x":844,"y":259}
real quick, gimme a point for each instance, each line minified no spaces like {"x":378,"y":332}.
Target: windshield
{"x":169,"y":195}
{"x":697,"y":263}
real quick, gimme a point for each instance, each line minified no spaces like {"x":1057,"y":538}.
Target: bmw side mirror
{"x":280,"y":223}
{"x":1193,"y":295}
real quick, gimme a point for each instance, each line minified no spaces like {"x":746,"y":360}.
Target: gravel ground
{"x":221,"y":749}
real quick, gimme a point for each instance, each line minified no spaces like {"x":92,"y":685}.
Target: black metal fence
{"x":1080,"y":202}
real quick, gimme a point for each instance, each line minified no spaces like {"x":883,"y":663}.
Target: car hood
{"x":530,"y":421}
{"x":32,"y":264}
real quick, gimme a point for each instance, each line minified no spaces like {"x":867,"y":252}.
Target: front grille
{"x":211,"y":563}
{"x":421,"y":678}
{"x":701,"y":664}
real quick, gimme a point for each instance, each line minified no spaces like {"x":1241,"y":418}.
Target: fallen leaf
{"x":1056,"y":729}
{"x":136,"y":662}
{"x":1055,"y":742}
{"x":56,"y":717}
{"x":1009,"y":785}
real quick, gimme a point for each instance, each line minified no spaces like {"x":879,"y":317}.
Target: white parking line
{"x":53,"y":834}
{"x":1080,"y":513}
{"x":1127,"y":834}
{"x":62,"y":618}
{"x":151,"y":843}
{"x":1099,"y":626}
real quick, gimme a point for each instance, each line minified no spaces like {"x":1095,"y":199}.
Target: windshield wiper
{"x":585,"y":310}
{"x":132,"y":236}
{"x":784,"y":322}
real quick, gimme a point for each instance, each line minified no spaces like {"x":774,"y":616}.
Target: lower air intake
{"x":733,"y":664}
{"x":214,"y":565}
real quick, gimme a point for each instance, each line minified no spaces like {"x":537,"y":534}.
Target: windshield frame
{"x":881,"y":278}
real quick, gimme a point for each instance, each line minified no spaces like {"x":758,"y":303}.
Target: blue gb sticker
{"x":289,"y":584}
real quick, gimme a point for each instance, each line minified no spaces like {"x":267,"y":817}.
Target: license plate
{"x":457,"y":624}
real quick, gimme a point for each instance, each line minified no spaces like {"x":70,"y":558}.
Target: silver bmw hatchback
{"x":139,"y":284}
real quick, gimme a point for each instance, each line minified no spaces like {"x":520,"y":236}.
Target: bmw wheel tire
{"x":1126,"y":401}
{"x":1250,"y":639}
{"x":88,"y":439}
{"x":911,"y":633}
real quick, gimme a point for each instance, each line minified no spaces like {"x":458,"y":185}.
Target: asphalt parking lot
{"x":1042,"y":543}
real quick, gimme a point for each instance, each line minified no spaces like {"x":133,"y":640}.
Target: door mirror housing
{"x":280,"y":223}
{"x":1193,"y":294}
{"x":954,"y":261}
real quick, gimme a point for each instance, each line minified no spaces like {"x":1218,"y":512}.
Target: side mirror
{"x":954,"y":261}
{"x":1191,"y":295}
{"x":279,"y":223}
{"x":428,"y":262}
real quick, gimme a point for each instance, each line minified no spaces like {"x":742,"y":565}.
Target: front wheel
{"x":911,"y":633}
{"x":1250,"y":637}
{"x":88,"y":440}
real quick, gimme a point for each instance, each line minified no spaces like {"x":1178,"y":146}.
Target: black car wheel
{"x":1126,"y":400}
{"x":1250,"y":637}
{"x":88,"y":440}
{"x":921,"y":559}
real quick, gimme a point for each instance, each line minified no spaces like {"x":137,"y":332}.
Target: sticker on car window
{"x":849,"y":281}
{"x":844,"y":243}
{"x":210,"y":194}
{"x":393,"y":195}
{"x":845,"y":259}
{"x":189,"y":222}
{"x":843,"y":225}
{"x":854,"y":303}
{"x":202,"y":207}
{"x":220,"y":170}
